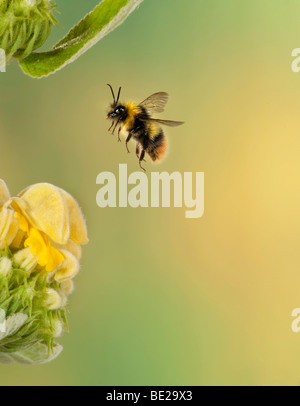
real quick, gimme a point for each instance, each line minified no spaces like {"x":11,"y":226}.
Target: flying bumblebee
{"x":135,"y":119}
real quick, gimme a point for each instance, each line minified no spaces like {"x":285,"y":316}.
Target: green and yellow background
{"x":162,"y":300}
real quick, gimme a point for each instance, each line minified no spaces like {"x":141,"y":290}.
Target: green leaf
{"x":35,"y":354}
{"x":13,"y":324}
{"x":106,"y":17}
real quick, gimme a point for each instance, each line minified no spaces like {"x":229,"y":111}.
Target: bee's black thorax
{"x":139,"y":128}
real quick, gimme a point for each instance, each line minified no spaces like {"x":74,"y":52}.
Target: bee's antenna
{"x":113,"y":93}
{"x":119,"y":95}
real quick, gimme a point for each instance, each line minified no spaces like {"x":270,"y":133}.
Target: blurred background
{"x":162,"y":300}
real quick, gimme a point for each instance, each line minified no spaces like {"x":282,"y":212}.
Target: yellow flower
{"x":4,"y":193}
{"x":47,"y":220}
{"x":41,"y":233}
{"x":8,"y":224}
{"x":48,"y":256}
{"x":53,"y":211}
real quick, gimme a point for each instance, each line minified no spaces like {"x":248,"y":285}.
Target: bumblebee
{"x":135,"y":119}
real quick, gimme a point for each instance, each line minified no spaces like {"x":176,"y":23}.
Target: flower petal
{"x":48,"y":256}
{"x":22,"y":221}
{"x":12,"y":232}
{"x":47,"y":210}
{"x":69,"y":267}
{"x":78,"y":230}
{"x":4,"y":193}
{"x":70,"y":246}
{"x":68,"y":286}
{"x":38,"y":246}
{"x":18,"y":241}
{"x":8,"y":226}
{"x":55,"y":258}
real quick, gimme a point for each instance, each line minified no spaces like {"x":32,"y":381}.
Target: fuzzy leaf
{"x":36,"y":354}
{"x":107,"y":16}
{"x":13,"y":324}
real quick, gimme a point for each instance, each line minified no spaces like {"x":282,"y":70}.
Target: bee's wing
{"x":169,"y":123}
{"x":156,"y":102}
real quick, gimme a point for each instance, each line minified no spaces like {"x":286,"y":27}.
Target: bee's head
{"x":116,"y":111}
{"x":116,"y":108}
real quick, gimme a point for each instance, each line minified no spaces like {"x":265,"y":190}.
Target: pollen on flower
{"x":41,"y":233}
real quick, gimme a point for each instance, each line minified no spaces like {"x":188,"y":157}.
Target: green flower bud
{"x":24,"y":25}
{"x":53,"y":299}
{"x":35,"y":313}
{"x":5,"y":266}
{"x":25,"y":260}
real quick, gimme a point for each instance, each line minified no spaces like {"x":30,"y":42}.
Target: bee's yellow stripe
{"x":133,"y":110}
{"x":153,"y":129}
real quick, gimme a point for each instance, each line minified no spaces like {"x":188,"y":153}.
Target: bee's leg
{"x":137,"y":150}
{"x":112,"y":124}
{"x":114,"y":129}
{"x":127,"y":140}
{"x":119,"y":119}
{"x":119,"y":139}
{"x":141,"y":160}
